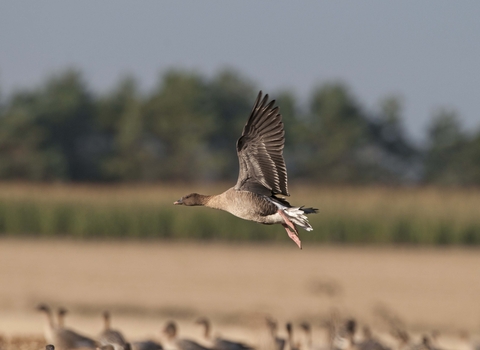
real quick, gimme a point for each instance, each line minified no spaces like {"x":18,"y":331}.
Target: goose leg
{"x":290,"y":228}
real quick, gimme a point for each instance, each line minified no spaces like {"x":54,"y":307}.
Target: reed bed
{"x":371,"y":215}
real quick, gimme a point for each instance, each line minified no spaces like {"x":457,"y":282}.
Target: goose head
{"x":191,"y":200}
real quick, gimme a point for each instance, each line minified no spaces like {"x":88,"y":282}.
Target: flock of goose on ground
{"x":342,"y":335}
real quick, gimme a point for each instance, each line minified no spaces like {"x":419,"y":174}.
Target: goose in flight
{"x":262,"y":176}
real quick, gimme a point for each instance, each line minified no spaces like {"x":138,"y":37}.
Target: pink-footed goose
{"x":219,"y":343}
{"x":262,"y":176}
{"x":291,"y":344}
{"x":61,"y":312}
{"x":173,"y":341}
{"x":61,"y":337}
{"x":277,"y":342}
{"x":111,"y":336}
{"x":308,"y":343}
{"x":50,"y":328}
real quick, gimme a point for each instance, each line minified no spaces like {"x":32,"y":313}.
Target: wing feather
{"x":260,"y":151}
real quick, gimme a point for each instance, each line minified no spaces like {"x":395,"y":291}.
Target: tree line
{"x":185,"y":129}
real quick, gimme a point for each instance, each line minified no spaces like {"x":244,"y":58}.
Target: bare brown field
{"x":146,"y":283}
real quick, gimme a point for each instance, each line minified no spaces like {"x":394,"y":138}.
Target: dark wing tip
{"x":260,"y":147}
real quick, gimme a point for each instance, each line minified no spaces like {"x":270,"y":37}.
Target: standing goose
{"x":262,"y":176}
{"x":369,"y":342}
{"x":61,"y":337}
{"x":61,"y":312}
{"x":170,"y":331}
{"x":218,"y":342}
{"x":291,"y":343}
{"x":308,"y":344}
{"x":277,"y":342}
{"x":345,"y":336}
{"x":307,"y":329}
{"x":50,"y":328}
{"x":64,"y":338}
{"x":111,"y":336}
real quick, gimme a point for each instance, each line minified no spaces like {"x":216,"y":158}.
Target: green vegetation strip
{"x":375,"y":222}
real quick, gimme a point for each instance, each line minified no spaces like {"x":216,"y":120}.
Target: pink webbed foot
{"x":290,"y":228}
{"x":293,"y":235}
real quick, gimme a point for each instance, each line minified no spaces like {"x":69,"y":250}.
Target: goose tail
{"x":298,"y":215}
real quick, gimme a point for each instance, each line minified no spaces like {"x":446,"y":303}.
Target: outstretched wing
{"x":260,"y":151}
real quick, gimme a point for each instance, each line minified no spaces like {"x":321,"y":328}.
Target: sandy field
{"x":146,"y":283}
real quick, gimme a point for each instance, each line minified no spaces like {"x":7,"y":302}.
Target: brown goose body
{"x":243,"y":204}
{"x":262,"y":176}
{"x":64,"y":338}
{"x":170,"y":331}
{"x":219,"y":343}
{"x":111,"y":336}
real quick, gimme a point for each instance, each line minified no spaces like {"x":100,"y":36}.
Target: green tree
{"x":121,"y":118}
{"x":295,"y":131}
{"x":47,"y":133}
{"x":178,"y":116}
{"x":232,"y":98}
{"x":472,"y":160}
{"x":24,"y":150}
{"x":65,"y":111}
{"x":397,"y":157}
{"x":445,"y":154}
{"x":337,"y":131}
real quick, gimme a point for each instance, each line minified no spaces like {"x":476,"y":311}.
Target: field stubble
{"x":146,"y":283}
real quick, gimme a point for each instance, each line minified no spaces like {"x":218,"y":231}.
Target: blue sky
{"x":427,"y":52}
